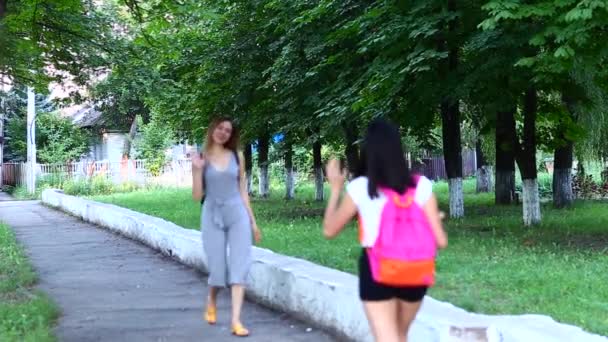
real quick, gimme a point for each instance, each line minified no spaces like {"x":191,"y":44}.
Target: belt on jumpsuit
{"x":215,"y":206}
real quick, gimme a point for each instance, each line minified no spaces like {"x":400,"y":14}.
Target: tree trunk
{"x":452,"y":155}
{"x":318,"y":170}
{"x":126,"y":150}
{"x":562,"y":176}
{"x":248,"y":154}
{"x":289,"y":173}
{"x":3,"y":7}
{"x":563,"y":195}
{"x":450,"y":119}
{"x":484,"y":171}
{"x":505,"y":157}
{"x":263,"y":165}
{"x":531,"y":202}
{"x":526,"y":160}
{"x":352,"y":150}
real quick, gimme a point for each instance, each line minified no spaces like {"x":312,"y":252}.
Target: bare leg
{"x":382,"y":317}
{"x":407,"y":313}
{"x":211,"y":311}
{"x":212,"y":297}
{"x":238,"y":295}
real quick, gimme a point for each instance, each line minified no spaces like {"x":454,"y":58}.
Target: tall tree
{"x":505,"y":156}
{"x":248,"y":154}
{"x":263,"y":163}
{"x":318,"y":169}
{"x":563,"y":195}
{"x":525,"y":154}
{"x":289,"y":170}
{"x":563,"y":39}
{"x":351,"y":136}
{"x":484,"y":171}
{"x":450,"y":114}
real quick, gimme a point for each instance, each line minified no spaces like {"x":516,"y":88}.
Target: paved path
{"x":111,"y":288}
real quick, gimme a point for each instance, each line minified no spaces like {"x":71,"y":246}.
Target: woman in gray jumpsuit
{"x":227,"y":221}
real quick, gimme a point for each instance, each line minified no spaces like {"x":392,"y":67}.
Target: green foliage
{"x":152,"y":146}
{"x":25,"y":314}
{"x":58,"y":140}
{"x":565,"y":32}
{"x":564,"y":54}
{"x":97,"y":185}
{"x":70,"y":35}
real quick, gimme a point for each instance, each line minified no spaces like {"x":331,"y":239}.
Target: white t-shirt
{"x":370,"y":210}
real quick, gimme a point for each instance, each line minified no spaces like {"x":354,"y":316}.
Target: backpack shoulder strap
{"x":237,"y":157}
{"x":238,"y":163}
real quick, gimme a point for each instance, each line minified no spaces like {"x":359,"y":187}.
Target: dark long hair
{"x":232,"y":143}
{"x":384,"y":159}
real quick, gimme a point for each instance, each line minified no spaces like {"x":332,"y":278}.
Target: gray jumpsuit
{"x":225,"y":223}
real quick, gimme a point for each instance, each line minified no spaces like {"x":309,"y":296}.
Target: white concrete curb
{"x":320,"y":295}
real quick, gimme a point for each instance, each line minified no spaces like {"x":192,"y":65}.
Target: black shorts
{"x":369,"y":290}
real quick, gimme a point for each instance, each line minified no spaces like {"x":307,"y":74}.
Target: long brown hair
{"x":232,"y":143}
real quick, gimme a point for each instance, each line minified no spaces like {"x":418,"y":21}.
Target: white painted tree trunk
{"x":319,"y":194}
{"x":290,"y":181}
{"x":264,"y":183}
{"x":31,"y":141}
{"x":531,"y":202}
{"x":484,"y":179}
{"x":456,"y":198}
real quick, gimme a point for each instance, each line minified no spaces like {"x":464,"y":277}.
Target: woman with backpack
{"x":226,"y":219}
{"x":400,"y":230}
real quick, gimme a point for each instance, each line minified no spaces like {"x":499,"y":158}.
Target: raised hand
{"x":198,"y":160}
{"x":335,"y":174}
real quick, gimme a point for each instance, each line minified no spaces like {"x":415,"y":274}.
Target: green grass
{"x":492,"y":265}
{"x":20,"y":193}
{"x":25,"y":314}
{"x":98,"y":185}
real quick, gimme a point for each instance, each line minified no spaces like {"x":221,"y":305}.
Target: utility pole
{"x":31,"y":141}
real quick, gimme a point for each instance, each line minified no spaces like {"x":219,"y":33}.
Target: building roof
{"x":82,"y":115}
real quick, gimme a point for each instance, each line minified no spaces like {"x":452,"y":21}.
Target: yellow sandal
{"x":211,"y":315}
{"x":239,"y":330}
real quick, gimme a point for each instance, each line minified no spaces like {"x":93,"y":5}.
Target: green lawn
{"x":25,"y":314}
{"x":492,"y":265}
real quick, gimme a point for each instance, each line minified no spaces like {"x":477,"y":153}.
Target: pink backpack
{"x":405,"y":250}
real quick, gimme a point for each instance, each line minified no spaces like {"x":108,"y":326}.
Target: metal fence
{"x":179,"y":172}
{"x":433,"y":166}
{"x":175,"y":173}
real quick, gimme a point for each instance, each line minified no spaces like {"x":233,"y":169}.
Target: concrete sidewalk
{"x":110,"y":288}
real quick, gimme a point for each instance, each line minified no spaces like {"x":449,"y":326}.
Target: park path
{"x":110,"y":288}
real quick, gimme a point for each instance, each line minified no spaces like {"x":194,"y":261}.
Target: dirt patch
{"x":20,"y":295}
{"x":301,"y":213}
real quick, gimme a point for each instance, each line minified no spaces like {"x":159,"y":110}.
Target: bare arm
{"x":197,"y":176}
{"x":336,"y":217}
{"x":432,"y":213}
{"x":245,"y":196}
